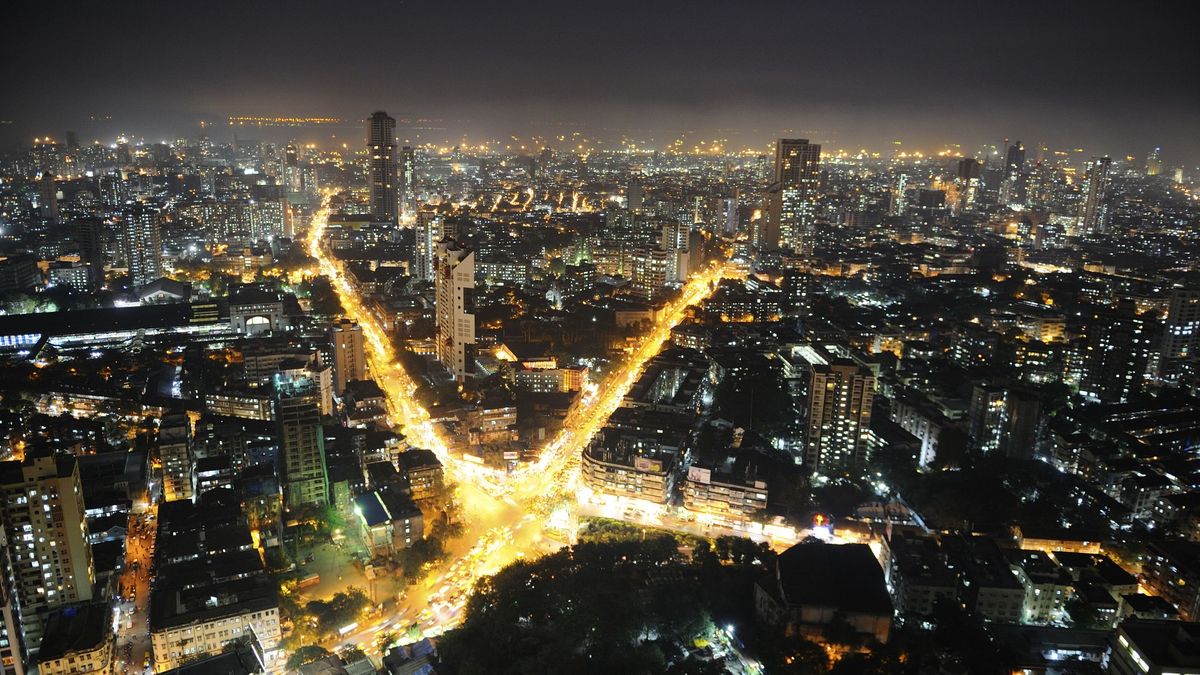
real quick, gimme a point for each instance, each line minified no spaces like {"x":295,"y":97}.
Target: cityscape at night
{"x":673,"y":338}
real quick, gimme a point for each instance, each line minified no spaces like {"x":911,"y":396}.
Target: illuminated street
{"x":506,"y":516}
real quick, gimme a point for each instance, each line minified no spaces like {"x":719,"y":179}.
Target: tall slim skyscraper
{"x":427,"y":235}
{"x":676,"y":241}
{"x":633,"y":195}
{"x":455,"y":292}
{"x":408,"y":171}
{"x":841,"y":394}
{"x":790,"y":202}
{"x":1012,"y":188}
{"x":1093,"y":211}
{"x":382,"y":147}
{"x":88,"y":235}
{"x":293,"y":178}
{"x":46,"y":529}
{"x":899,"y":196}
{"x":301,"y":442}
{"x":48,"y":196}
{"x":349,"y":359}
{"x":12,"y":646}
{"x":142,"y":243}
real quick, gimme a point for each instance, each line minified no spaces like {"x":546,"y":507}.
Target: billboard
{"x":647,"y":465}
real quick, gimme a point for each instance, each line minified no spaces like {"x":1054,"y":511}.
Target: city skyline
{"x":861,"y":76}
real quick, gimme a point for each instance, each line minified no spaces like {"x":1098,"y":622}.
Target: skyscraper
{"x":382,"y":147}
{"x":301,"y":442}
{"x":676,"y":241}
{"x":426,"y":237}
{"x":455,"y":293}
{"x":88,"y":235}
{"x":408,"y":170}
{"x":1110,"y":362}
{"x":46,"y":529}
{"x":1012,"y":188}
{"x":968,"y":183}
{"x":48,"y":196}
{"x":1093,"y":212}
{"x":142,"y":244}
{"x":633,"y":195}
{"x":790,"y":202}
{"x":1154,"y":162}
{"x":293,"y":178}
{"x":1180,"y":354}
{"x":899,"y":196}
{"x":349,"y":359}
{"x":841,"y":394}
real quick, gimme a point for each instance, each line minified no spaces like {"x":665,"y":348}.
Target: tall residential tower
{"x":382,"y":146}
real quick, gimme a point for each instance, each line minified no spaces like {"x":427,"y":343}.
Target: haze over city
{"x":850,"y":75}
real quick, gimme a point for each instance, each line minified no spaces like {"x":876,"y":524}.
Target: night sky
{"x":1115,"y":78}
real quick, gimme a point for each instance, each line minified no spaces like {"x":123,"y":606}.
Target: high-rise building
{"x":12,"y":646}
{"x":633,"y":195}
{"x":1093,"y":211}
{"x":649,"y":267}
{"x":455,"y":293}
{"x":349,"y":359}
{"x":293,"y":177}
{"x":142,"y":243}
{"x":48,"y":196}
{"x":1180,"y":353}
{"x":47,"y":538}
{"x":790,"y":203}
{"x":676,"y":241}
{"x":968,"y":182}
{"x":426,"y":237}
{"x":841,"y":394}
{"x":797,"y":162}
{"x":899,"y":196}
{"x":176,"y":451}
{"x":1012,"y":188}
{"x":408,"y":172}
{"x":88,"y":235}
{"x":301,"y":442}
{"x":1154,"y":162}
{"x":1110,"y":362}
{"x":382,"y":146}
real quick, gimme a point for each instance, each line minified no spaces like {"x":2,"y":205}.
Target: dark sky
{"x":1110,"y":77}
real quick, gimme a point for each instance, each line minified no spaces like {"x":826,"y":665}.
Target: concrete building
{"x":455,"y":288}
{"x":44,"y":519}
{"x":79,"y":640}
{"x":210,"y":586}
{"x":178,"y":457}
{"x":302,"y":442}
{"x":389,"y":520}
{"x":816,"y":585}
{"x":381,"y":145}
{"x":1155,"y":648}
{"x":141,"y":242}
{"x":349,"y":359}
{"x":841,"y":394}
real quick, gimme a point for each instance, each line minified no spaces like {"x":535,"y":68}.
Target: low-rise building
{"x":1155,"y":648}
{"x":389,"y":520}
{"x":814,"y":586}
{"x":77,"y":639}
{"x":917,"y":574}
